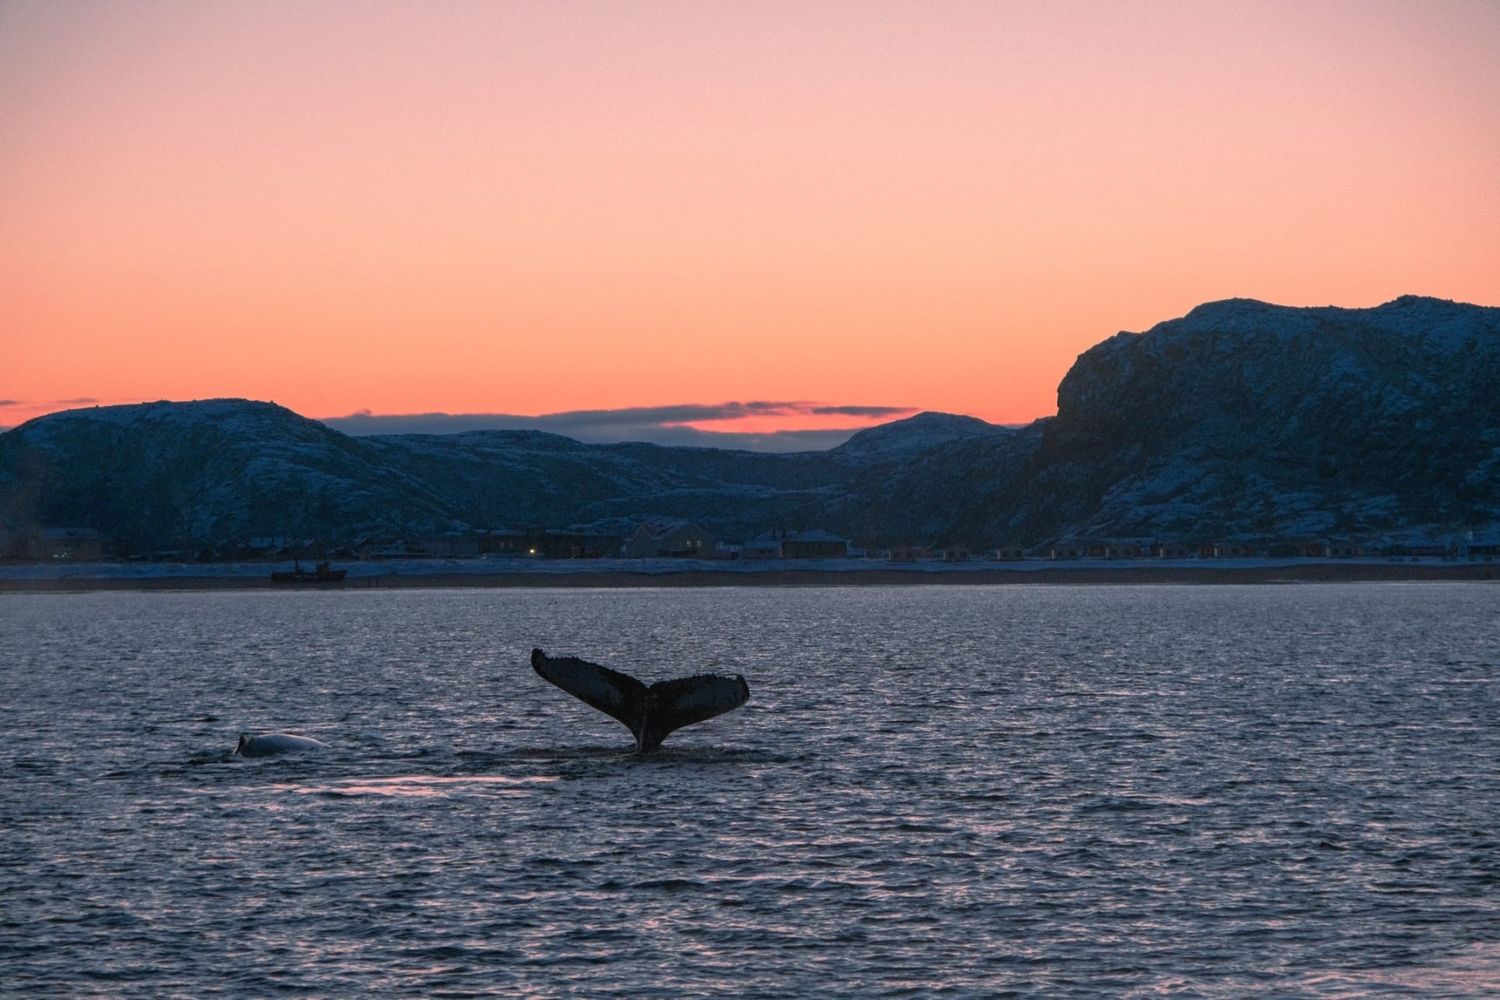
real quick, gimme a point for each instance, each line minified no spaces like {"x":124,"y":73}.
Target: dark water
{"x":1092,"y":791}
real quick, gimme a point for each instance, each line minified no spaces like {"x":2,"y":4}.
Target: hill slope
{"x":1248,"y":419}
{"x":215,"y":472}
{"x":1241,"y":419}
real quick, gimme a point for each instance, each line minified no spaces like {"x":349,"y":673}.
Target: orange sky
{"x":534,"y":207}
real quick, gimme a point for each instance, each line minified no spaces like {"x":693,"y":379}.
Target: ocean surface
{"x":1057,"y":791}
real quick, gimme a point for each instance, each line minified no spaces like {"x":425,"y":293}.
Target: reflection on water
{"x":1468,"y":972}
{"x":1088,"y":791}
{"x":422,"y":786}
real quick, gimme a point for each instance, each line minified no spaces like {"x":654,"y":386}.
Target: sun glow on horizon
{"x":557,"y":207}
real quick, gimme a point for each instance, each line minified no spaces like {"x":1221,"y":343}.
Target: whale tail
{"x":650,"y":713}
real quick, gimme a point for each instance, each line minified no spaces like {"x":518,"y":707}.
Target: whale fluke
{"x":650,"y":713}
{"x":274,"y":743}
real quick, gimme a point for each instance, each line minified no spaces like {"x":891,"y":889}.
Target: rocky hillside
{"x":1250,"y":420}
{"x":166,"y":475}
{"x":1239,"y":420}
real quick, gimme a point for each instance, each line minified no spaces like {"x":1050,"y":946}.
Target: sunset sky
{"x":852,"y":211}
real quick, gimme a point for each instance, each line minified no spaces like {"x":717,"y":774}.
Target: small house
{"x":761,"y":547}
{"x":670,"y":539}
{"x":503,"y":542}
{"x":1483,"y":548}
{"x":1232,"y":550}
{"x":454,"y":545}
{"x":814,"y":544}
{"x":571,"y":544}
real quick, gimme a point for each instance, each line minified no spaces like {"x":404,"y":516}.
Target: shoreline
{"x":616,"y":578}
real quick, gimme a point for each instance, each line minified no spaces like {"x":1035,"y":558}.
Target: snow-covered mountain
{"x":902,"y":439}
{"x":172,"y":475}
{"x":1241,"y":419}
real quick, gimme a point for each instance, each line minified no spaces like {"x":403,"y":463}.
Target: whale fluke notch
{"x":650,"y":713}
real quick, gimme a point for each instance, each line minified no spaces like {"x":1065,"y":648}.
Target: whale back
{"x":271,"y":744}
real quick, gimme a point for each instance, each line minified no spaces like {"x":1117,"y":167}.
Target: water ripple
{"x":956,"y":791}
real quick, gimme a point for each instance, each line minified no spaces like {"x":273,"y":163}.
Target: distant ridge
{"x":914,"y":434}
{"x":1239,"y":420}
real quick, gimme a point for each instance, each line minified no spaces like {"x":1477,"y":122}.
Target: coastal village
{"x":681,"y":539}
